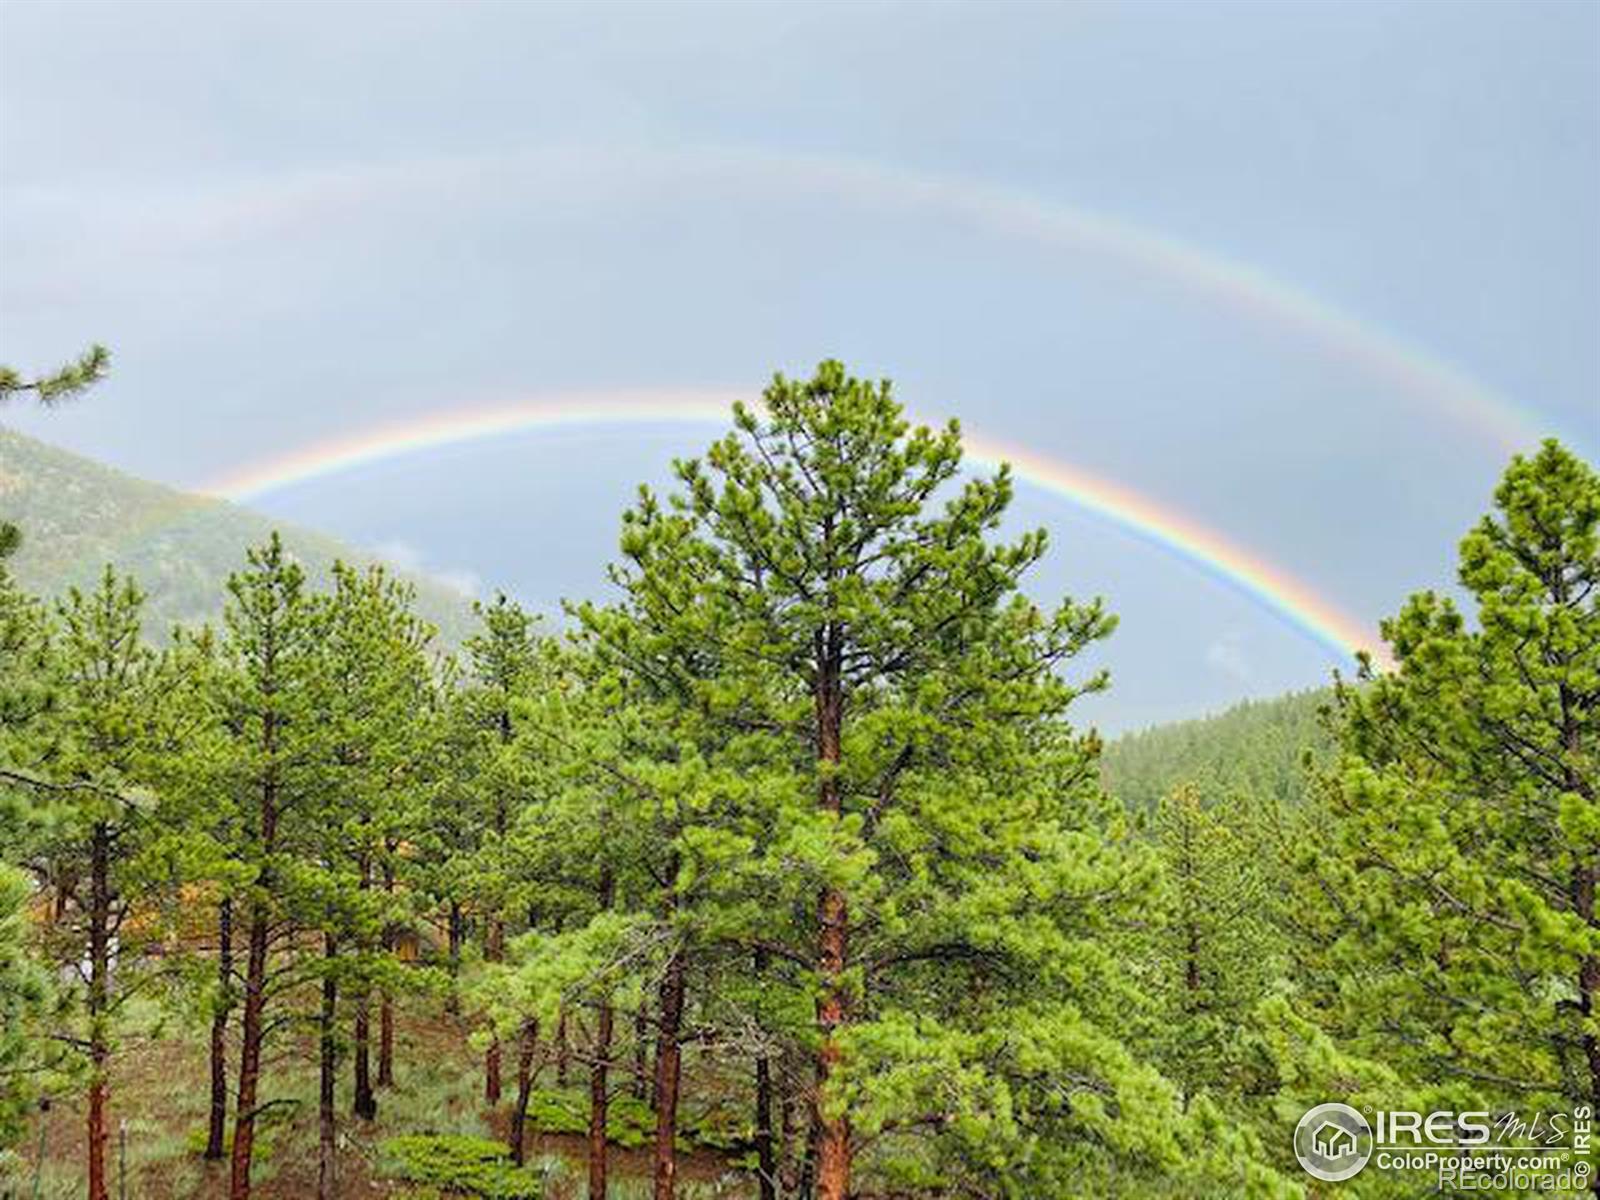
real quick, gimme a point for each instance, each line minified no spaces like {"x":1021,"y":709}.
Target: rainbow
{"x":1274,"y":589}
{"x":352,"y":192}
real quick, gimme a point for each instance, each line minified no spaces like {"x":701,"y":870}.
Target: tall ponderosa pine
{"x":1458,"y":873}
{"x":108,"y":737}
{"x":376,"y":690}
{"x":829,"y":592}
{"x":500,"y":658}
{"x":273,"y":705}
{"x":373,"y":689}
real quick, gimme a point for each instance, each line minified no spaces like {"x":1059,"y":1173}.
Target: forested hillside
{"x":789,"y":874}
{"x":77,"y":515}
{"x":1257,"y":747}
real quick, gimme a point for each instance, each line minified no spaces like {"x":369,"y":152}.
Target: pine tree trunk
{"x":563,"y":1049}
{"x":766,"y":1159}
{"x":598,"y":1065}
{"x":327,"y":1127}
{"x":99,"y":996}
{"x":669,"y":1019}
{"x":528,"y":1044}
{"x":793,"y":1152}
{"x":808,"y":1160}
{"x":365,"y":1104}
{"x":251,"y":1024}
{"x":452,"y":1002}
{"x":598,"y":1099}
{"x":244,"y":1119}
{"x":217,"y":1131}
{"x":833,"y":1131}
{"x":385,"y":1039}
{"x":494,"y":947}
{"x":385,"y":1000}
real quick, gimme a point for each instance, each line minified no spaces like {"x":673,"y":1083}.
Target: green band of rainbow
{"x":1275,"y":589}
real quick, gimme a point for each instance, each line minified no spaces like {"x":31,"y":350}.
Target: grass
{"x":160,"y":1088}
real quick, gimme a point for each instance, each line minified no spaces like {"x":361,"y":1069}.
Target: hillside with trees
{"x":785,"y":874}
{"x":78,"y":515}
{"x":1260,"y":748}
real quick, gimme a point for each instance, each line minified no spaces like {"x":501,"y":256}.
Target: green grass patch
{"x":471,"y":1166}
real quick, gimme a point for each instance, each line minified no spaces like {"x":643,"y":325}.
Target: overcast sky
{"x":290,"y":221}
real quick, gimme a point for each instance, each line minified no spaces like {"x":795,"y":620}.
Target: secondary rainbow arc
{"x":350,"y":190}
{"x":1272,"y":587}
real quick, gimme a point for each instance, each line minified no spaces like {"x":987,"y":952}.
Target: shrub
{"x":455,"y":1163}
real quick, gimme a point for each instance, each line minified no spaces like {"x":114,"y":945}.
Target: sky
{"x":1304,"y":274}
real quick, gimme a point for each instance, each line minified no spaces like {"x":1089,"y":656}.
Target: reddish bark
{"x":563,"y":1049}
{"x":386,"y":1001}
{"x":365,"y":1104}
{"x":250,"y":1029}
{"x":598,"y":1096}
{"x":327,"y":1119}
{"x":217,"y":1130}
{"x":528,"y":1043}
{"x":833,"y":1131}
{"x":493,"y":951}
{"x":599,"y":1100}
{"x":669,"y":1019}
{"x":452,"y":1003}
{"x":99,"y":997}
{"x":385,"y":1040}
{"x":766,"y":1158}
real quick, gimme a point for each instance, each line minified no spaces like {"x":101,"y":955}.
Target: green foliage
{"x":1460,"y":834}
{"x":808,"y":803}
{"x":875,"y":782}
{"x":466,"y":1165}
{"x":25,"y":997}
{"x":83,"y":372}
{"x":1258,"y":748}
{"x":1213,"y":952}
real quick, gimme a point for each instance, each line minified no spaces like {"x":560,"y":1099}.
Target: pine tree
{"x":500,"y":659}
{"x":104,"y":819}
{"x":27,"y":698}
{"x":26,"y":996}
{"x":377,"y":680}
{"x":1213,"y":956}
{"x":273,"y":704}
{"x":828,"y":595}
{"x":1458,"y":871}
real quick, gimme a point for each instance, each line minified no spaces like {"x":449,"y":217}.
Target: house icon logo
{"x":1333,"y":1142}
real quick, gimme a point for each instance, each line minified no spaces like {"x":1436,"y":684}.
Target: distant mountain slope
{"x":76,"y":515}
{"x":1258,"y":746}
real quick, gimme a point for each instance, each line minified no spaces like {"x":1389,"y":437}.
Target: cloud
{"x":468,"y":583}
{"x":1226,"y":654}
{"x":408,"y":558}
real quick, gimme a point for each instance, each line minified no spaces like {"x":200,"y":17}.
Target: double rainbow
{"x":1279,"y":592}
